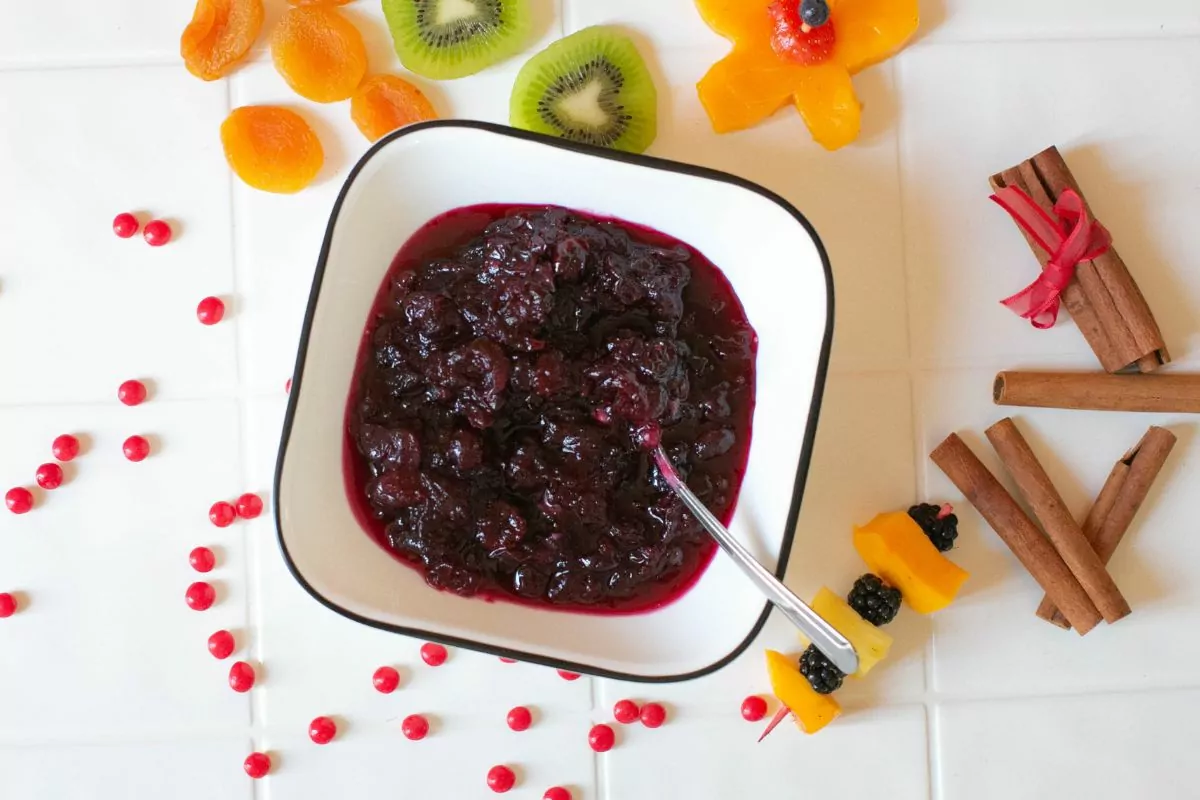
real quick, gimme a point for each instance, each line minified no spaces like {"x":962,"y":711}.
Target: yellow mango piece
{"x":897,"y":550}
{"x":812,"y":711}
{"x":871,"y":643}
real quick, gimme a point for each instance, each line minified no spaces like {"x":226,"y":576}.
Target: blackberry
{"x":939,"y":523}
{"x":821,"y":673}
{"x":874,"y":600}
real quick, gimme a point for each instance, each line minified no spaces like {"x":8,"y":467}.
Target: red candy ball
{"x":125,"y":225}
{"x":136,"y":448}
{"x":322,"y":730}
{"x":200,"y":596}
{"x":249,"y":505}
{"x":414,"y":727}
{"x":653,"y":715}
{"x":386,"y":679}
{"x":257,"y":765}
{"x":626,"y":711}
{"x":754,"y":708}
{"x":8,"y":605}
{"x":65,"y":447}
{"x":202,"y":559}
{"x":157,"y":233}
{"x":131,"y":393}
{"x":569,"y":676}
{"x":433,"y":654}
{"x":222,"y":514}
{"x":221,"y":644}
{"x":519,"y":719}
{"x":49,"y":476}
{"x":556,"y":793}
{"x":500,"y":779}
{"x":210,"y":311}
{"x":19,"y":500}
{"x":601,"y":738}
{"x":241,"y":677}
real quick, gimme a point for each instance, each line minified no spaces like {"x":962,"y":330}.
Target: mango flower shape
{"x":774,"y":60}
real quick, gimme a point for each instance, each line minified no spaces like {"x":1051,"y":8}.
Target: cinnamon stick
{"x":1017,"y":531}
{"x":1119,"y":502}
{"x":1103,"y":299}
{"x":1178,"y":394}
{"x":1061,"y":529}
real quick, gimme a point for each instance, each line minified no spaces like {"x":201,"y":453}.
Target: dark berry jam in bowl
{"x":517,"y":367}
{"x":537,"y":384}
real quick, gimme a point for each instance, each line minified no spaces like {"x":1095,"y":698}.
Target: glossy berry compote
{"x":518,"y":364}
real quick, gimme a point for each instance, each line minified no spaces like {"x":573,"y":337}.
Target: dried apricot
{"x":220,"y":33}
{"x":271,"y":148}
{"x":385,"y":102}
{"x":319,"y":53}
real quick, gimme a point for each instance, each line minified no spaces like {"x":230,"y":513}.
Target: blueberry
{"x":814,"y":12}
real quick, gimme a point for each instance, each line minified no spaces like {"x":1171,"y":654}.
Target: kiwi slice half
{"x":591,"y":87}
{"x":443,"y":39}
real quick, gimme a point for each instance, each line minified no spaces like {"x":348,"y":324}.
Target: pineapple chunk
{"x":812,"y":711}
{"x":896,"y":549}
{"x":869,"y":642}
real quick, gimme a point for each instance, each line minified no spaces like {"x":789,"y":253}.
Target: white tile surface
{"x":1110,"y":747}
{"x":1123,"y":136}
{"x":105,"y":687}
{"x":145,"y":770}
{"x":105,"y":644}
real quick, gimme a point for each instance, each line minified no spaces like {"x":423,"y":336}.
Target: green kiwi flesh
{"x":591,"y":87}
{"x":443,"y":39}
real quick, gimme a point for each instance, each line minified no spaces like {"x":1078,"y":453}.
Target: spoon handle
{"x":823,"y":635}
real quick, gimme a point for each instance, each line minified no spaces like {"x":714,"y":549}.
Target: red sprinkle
{"x":414,"y":727}
{"x":125,"y":225}
{"x":508,"y":660}
{"x":49,"y":476}
{"x":65,"y":447}
{"x":257,"y":765}
{"x":249,"y":505}
{"x":500,"y":779}
{"x":433,"y":654}
{"x":519,"y":719}
{"x":131,"y":393}
{"x":222,"y":514}
{"x":386,"y":679}
{"x":8,"y":605}
{"x":200,"y":596}
{"x":601,"y":738}
{"x":210,"y":311}
{"x":626,"y":711}
{"x":754,"y":708}
{"x":157,"y":233}
{"x":136,"y":448}
{"x":322,"y":730}
{"x":241,"y":677}
{"x":202,"y":559}
{"x":287,"y":387}
{"x":221,"y":644}
{"x":653,"y":715}
{"x":556,"y":793}
{"x":19,"y":500}
{"x":569,"y":676}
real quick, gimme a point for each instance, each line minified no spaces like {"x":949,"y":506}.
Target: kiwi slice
{"x":591,"y":87}
{"x":443,"y":39}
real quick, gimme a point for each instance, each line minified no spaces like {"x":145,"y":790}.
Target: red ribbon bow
{"x":1070,"y":240}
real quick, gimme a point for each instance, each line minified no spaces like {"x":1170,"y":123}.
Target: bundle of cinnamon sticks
{"x":1068,"y":559}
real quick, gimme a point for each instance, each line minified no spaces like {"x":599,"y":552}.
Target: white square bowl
{"x":764,"y":246}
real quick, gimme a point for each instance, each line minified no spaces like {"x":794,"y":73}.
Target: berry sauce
{"x":516,"y":367}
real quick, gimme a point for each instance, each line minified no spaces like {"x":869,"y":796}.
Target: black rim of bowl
{"x":612,"y":155}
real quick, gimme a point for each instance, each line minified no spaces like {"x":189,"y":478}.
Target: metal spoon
{"x":823,"y":635}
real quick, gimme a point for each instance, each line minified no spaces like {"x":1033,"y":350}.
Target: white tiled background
{"x":106,"y":690}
